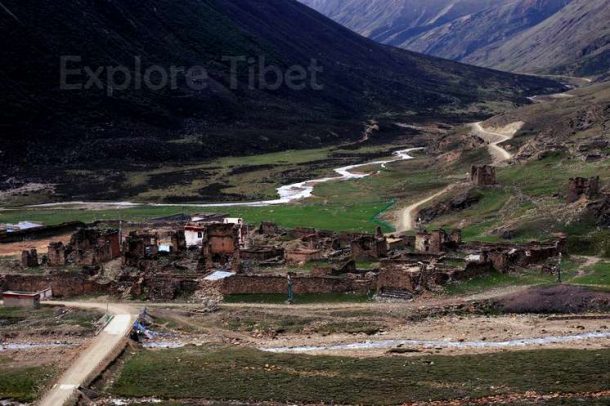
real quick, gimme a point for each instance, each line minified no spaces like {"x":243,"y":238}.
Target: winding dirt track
{"x":407,"y":216}
{"x":495,"y":138}
{"x":109,"y":342}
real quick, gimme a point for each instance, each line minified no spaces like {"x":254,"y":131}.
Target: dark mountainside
{"x":535,"y":36}
{"x":44,"y":127}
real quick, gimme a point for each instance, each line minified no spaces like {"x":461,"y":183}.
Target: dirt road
{"x":495,"y":138}
{"x":107,"y":343}
{"x":407,"y":216}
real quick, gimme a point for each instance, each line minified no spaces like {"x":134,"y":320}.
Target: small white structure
{"x":194,"y":234}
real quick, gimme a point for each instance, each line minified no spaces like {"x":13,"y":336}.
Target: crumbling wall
{"x":398,"y":278}
{"x":483,"y":175}
{"x":246,"y":284}
{"x":262,"y":253}
{"x":222,"y":246}
{"x":432,"y":243}
{"x":139,"y":247}
{"x":579,"y":187}
{"x":301,"y":256}
{"x":29,"y":259}
{"x":269,"y":229}
{"x":56,"y":256}
{"x":63,"y":284}
{"x":369,"y":247}
{"x":165,"y":287}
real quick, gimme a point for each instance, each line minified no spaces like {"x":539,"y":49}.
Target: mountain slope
{"x":534,"y":36}
{"x":574,"y":41}
{"x":44,"y":125}
{"x":396,"y":22}
{"x":476,"y":32}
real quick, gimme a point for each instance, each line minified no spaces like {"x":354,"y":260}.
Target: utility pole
{"x":559,"y":268}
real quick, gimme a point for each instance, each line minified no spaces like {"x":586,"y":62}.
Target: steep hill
{"x":535,"y":36}
{"x":574,"y":41}
{"x":44,"y":125}
{"x":477,"y":32}
{"x":397,"y":22}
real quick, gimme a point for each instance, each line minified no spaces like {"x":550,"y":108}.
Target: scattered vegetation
{"x":598,"y":274}
{"x":228,"y":373}
{"x":23,"y":384}
{"x":47,"y":318}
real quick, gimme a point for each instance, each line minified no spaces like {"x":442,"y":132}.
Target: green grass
{"x":482,"y":283}
{"x":23,"y":384}
{"x":248,"y":375}
{"x":497,"y":280}
{"x":359,"y":217}
{"x":306,"y":298}
{"x":599,"y":274}
{"x":47,"y":317}
{"x":527,"y":199}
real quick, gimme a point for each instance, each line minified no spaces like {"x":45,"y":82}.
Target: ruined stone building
{"x":56,"y":256}
{"x":269,"y":229}
{"x":221,"y":244}
{"x":437,"y":241}
{"x":91,"y":246}
{"x":242,"y":229}
{"x":579,"y":187}
{"x":139,"y":246}
{"x":369,"y":247}
{"x":483,"y":175}
{"x":29,"y":259}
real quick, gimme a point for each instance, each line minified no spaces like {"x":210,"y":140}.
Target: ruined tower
{"x":483,"y":175}
{"x":579,"y":187}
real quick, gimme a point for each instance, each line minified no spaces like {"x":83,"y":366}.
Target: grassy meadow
{"x":224,"y":373}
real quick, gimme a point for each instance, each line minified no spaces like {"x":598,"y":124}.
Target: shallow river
{"x":287,"y":193}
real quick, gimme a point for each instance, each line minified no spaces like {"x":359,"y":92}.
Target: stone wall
{"x":64,"y":285}
{"x":245,"y":284}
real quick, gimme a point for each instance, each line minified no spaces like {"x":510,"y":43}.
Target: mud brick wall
{"x":243,"y":284}
{"x":64,"y":285}
{"x":396,"y":279}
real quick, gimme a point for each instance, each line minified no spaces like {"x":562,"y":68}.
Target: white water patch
{"x":287,"y":194}
{"x":163,"y":344}
{"x":371,"y":345}
{"x":131,"y":401}
{"x":30,"y":346}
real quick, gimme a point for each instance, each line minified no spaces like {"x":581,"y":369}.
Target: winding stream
{"x":287,"y":194}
